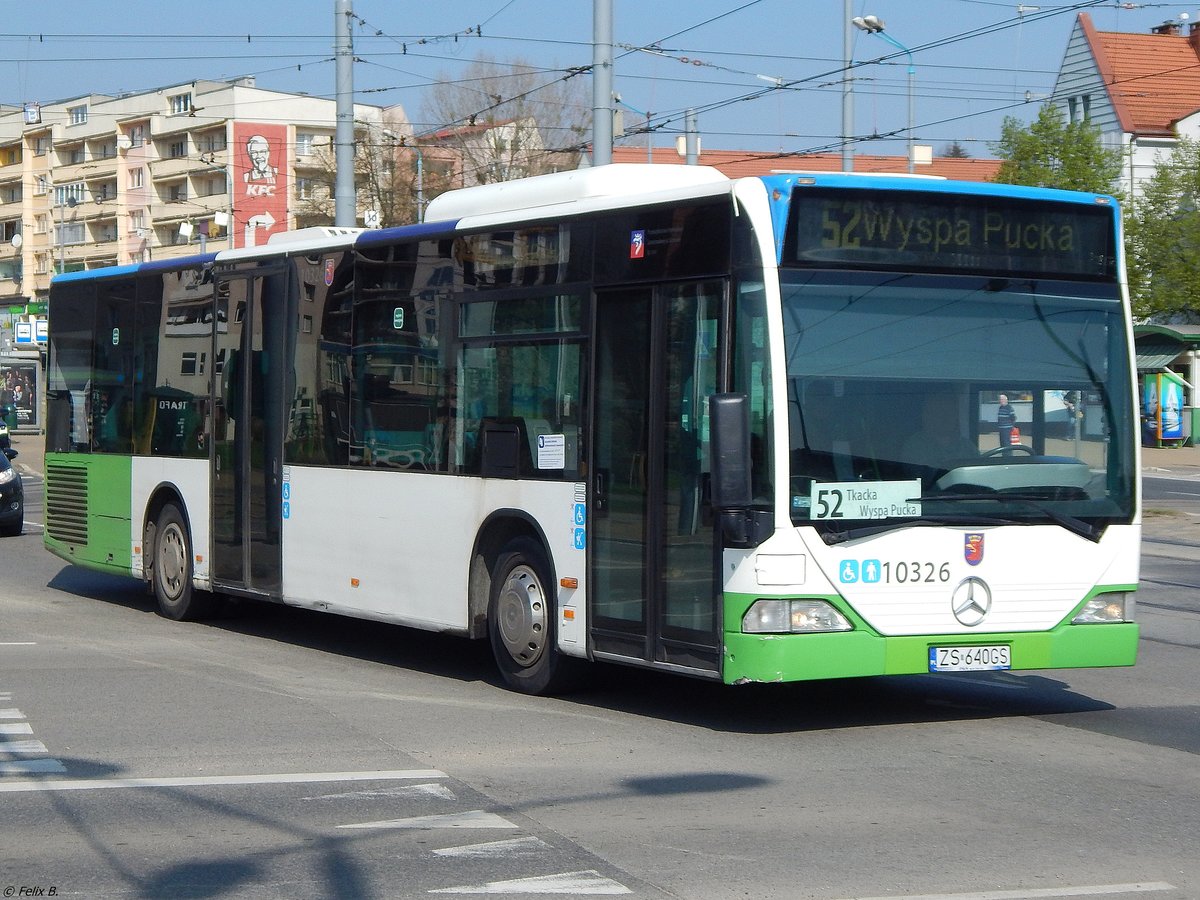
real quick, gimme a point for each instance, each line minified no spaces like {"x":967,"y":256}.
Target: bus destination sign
{"x":949,"y":233}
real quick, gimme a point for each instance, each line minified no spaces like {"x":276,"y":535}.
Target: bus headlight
{"x":793,"y":617}
{"x":1106,"y":608}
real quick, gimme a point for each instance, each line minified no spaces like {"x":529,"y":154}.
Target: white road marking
{"x":1093,"y":890}
{"x":31,"y":767}
{"x":590,"y":882}
{"x":21,"y":748}
{"x":516,"y":846}
{"x":18,"y":644}
{"x":11,"y":714}
{"x":17,"y":728}
{"x":475,"y":818}
{"x":409,"y":790}
{"x":99,"y":784}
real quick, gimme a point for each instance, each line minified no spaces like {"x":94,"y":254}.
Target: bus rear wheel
{"x":172,"y":569}
{"x":521,"y":622}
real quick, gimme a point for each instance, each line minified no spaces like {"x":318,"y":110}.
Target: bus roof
{"x":292,"y":243}
{"x":578,"y":191}
{"x":597,"y":187}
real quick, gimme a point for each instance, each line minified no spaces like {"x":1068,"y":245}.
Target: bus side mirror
{"x":731,"y":485}
{"x":729,"y":422}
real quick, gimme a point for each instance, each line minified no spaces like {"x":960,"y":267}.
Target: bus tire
{"x":521,"y":622}
{"x":172,"y":569}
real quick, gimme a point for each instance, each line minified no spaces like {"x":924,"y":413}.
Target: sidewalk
{"x":31,"y":450}
{"x":1171,"y":461}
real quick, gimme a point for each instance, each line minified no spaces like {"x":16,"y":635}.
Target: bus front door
{"x":249,"y":382}
{"x":654,"y":588}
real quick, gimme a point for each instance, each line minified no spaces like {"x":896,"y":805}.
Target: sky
{"x":761,"y":74}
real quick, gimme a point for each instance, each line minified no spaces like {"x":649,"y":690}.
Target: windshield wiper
{"x":1072,"y":524}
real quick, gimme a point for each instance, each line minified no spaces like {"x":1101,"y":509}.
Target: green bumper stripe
{"x":804,"y":657}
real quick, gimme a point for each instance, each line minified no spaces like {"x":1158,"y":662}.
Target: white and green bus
{"x":767,"y":429}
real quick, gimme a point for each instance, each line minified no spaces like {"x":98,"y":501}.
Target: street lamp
{"x":874,"y":25}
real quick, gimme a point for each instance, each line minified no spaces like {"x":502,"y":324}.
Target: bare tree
{"x":506,"y":120}
{"x":497,"y":122}
{"x":386,"y":177}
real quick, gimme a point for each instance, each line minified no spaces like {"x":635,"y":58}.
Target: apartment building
{"x":98,"y":180}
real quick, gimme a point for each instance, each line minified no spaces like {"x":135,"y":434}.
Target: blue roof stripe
{"x":94,"y":274}
{"x":183,"y":262}
{"x":405,"y":233}
{"x":154,"y":265}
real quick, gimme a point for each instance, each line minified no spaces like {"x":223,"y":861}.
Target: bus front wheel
{"x":172,"y":569}
{"x":521,"y":622}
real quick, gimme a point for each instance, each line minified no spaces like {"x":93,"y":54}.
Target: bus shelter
{"x":1168,"y":361}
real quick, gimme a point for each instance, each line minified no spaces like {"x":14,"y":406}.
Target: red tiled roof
{"x":1152,"y":79}
{"x":741,"y":163}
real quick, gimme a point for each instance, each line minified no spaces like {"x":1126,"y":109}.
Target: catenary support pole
{"x":602,"y":82}
{"x":344,"y":213}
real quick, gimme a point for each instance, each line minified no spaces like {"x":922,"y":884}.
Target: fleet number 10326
{"x":921,"y":571}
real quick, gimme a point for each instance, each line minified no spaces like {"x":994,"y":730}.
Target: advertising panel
{"x":1162,"y":407}
{"x":260,"y":205}
{"x":18,"y":392}
{"x":1170,"y":407}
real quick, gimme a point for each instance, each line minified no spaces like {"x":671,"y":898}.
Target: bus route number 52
{"x":828,"y":504}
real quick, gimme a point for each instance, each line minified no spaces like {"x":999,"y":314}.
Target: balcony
{"x":100,"y":253}
{"x":9,"y":255}
{"x":88,"y":169}
{"x":91,"y":209}
{"x":171,"y":167}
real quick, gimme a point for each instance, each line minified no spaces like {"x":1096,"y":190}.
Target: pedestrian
{"x":1006,"y":421}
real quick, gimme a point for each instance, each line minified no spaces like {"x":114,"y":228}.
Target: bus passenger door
{"x":654,"y":589}
{"x":249,"y":390}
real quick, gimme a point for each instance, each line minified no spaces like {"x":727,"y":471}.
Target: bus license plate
{"x":970,"y":659}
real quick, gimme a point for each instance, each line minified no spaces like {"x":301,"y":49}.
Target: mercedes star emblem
{"x":971,"y":601}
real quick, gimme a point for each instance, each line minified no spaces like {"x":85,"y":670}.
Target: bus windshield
{"x":934,"y":399}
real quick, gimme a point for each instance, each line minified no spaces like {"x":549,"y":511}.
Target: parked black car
{"x":12,"y":496}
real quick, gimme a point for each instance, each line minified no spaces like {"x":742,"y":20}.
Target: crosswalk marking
{"x":440,"y":791}
{"x":11,"y":714}
{"x":16,"y":728}
{"x":589,"y":882}
{"x":99,"y":784}
{"x":21,"y":748}
{"x":32,"y":767}
{"x":513,"y":847}
{"x":475,"y":818}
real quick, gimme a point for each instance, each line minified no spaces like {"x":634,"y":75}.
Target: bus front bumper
{"x":805,"y":657}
